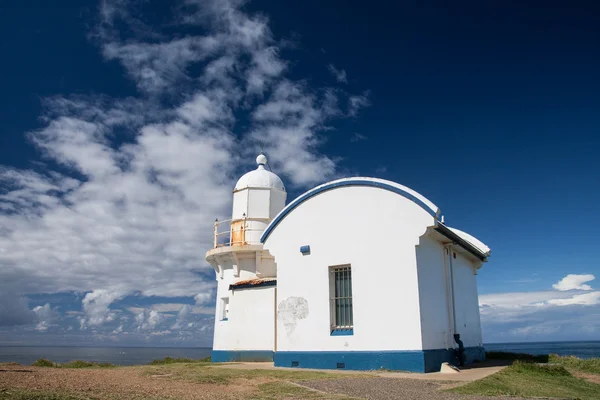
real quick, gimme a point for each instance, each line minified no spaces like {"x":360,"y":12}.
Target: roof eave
{"x":445,"y":231}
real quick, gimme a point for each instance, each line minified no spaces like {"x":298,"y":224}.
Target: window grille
{"x":341,"y":297}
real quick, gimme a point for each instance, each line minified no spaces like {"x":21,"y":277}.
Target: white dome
{"x":260,"y":177}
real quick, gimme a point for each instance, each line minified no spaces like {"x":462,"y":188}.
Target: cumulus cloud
{"x":338,"y":74}
{"x":96,"y":307}
{"x":112,"y":217}
{"x":204,"y":298}
{"x":574,"y":282}
{"x":516,"y":315}
{"x":46,"y":316}
{"x":182,"y":317}
{"x":148,"y":319}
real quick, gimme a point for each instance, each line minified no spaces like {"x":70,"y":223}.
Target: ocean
{"x":26,"y":355}
{"x":577,"y":349}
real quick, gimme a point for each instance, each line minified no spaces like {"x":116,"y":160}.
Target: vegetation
{"x":42,"y":362}
{"x":22,"y":394}
{"x":286,"y":390}
{"x":171,"y":360}
{"x":528,"y":379}
{"x":205,"y":373}
{"x":589,"y":365}
{"x":504,"y":355}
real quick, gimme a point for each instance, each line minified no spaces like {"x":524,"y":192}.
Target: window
{"x":224,"y":308}
{"x":340,"y":293}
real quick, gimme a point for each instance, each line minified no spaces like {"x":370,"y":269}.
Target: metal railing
{"x":234,"y":235}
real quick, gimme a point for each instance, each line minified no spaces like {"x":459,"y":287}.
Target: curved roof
{"x":478,"y":244}
{"x":402,"y":190}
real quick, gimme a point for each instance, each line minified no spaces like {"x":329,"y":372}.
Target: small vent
{"x":295,"y":363}
{"x":341,"y":365}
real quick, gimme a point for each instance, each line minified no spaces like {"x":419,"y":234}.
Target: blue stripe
{"x":241,"y":355}
{"x":413,"y":361}
{"x":342,"y":332}
{"x":353,"y":182}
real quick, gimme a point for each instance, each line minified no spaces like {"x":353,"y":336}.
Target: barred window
{"x":340,"y":290}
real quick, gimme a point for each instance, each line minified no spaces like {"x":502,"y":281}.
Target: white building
{"x":358,"y":273}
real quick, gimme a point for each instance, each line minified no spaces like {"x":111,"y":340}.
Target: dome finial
{"x":261,"y":159}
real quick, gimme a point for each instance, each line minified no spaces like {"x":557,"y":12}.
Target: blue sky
{"x":126,"y":124}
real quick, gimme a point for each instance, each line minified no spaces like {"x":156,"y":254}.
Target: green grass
{"x":589,"y":365}
{"x":171,"y":360}
{"x":533,"y":380}
{"x":43,"y":362}
{"x":21,"y":394}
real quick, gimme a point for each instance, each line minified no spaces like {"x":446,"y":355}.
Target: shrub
{"x":171,"y":360}
{"x":42,"y":362}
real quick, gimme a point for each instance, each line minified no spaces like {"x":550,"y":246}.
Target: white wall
{"x":436,"y":323}
{"x":467,"y":305}
{"x":435,"y":299}
{"x":375,"y":231}
{"x":251,"y":319}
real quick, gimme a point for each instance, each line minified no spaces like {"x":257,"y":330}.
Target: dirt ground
{"x":119,"y":383}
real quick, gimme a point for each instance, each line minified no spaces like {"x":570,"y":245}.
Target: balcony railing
{"x":232,"y":233}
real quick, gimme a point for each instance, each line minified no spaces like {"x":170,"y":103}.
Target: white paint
{"x":435,"y":288}
{"x":258,"y":196}
{"x":403,"y":294}
{"x":373,"y":230}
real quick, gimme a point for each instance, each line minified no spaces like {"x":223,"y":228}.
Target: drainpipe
{"x":461,"y":347}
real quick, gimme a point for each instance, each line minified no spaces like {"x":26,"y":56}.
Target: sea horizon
{"x":137,"y":355}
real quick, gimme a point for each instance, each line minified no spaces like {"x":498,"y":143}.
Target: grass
{"x":286,"y":390}
{"x":43,"y":362}
{"x":171,"y":360}
{"x":589,"y":365}
{"x":527,"y":379}
{"x":22,"y":394}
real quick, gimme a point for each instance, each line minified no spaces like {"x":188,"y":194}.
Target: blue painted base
{"x":241,"y":355}
{"x":414,"y":361}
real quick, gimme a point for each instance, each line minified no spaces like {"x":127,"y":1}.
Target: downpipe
{"x":460,"y":352}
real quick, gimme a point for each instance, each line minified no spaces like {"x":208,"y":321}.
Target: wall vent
{"x":341,"y":365}
{"x":295,"y":363}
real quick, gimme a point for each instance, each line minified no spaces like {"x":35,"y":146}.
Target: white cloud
{"x":46,"y":316}
{"x":112,"y":217}
{"x":96,"y":307}
{"x":522,"y":315}
{"x":182,"y":317}
{"x":204,"y":298}
{"x":356,"y":103}
{"x":357,"y":137}
{"x":147,"y":320}
{"x":586,"y":299}
{"x":574,"y":282}
{"x":339,"y":74}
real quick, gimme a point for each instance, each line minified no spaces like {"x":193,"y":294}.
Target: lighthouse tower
{"x":246,"y":273}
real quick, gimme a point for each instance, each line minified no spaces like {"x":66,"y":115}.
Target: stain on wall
{"x":290,"y":310}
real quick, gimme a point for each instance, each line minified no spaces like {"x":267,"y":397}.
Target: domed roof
{"x":260,"y":177}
